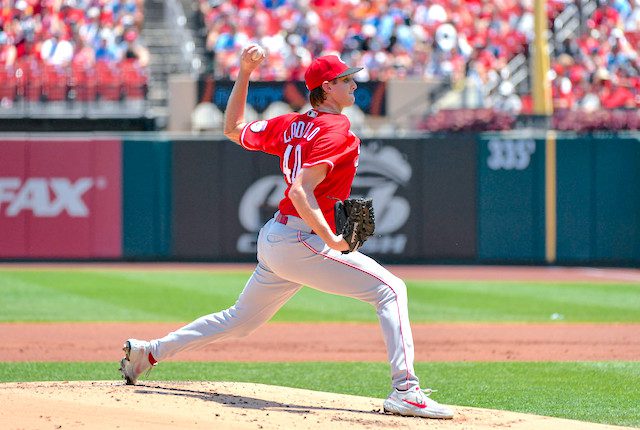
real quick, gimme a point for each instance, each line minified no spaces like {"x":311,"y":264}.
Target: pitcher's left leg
{"x":358,"y":276}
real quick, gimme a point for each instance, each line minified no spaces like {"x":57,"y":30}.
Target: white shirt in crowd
{"x":57,"y":52}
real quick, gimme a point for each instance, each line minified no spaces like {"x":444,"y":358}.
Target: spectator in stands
{"x":106,"y":50}
{"x":562,"y":93}
{"x":229,"y":39}
{"x":447,"y":60}
{"x":632,"y":23}
{"x":605,"y":15}
{"x":134,"y":51}
{"x":614,"y":96}
{"x":621,"y":54}
{"x":506,"y":99}
{"x":57,"y":50}
{"x":84,"y":56}
{"x":7,"y":51}
{"x":622,"y":7}
{"x":89,"y":29}
{"x":133,"y":9}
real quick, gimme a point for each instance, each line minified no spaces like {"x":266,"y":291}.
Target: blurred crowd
{"x":461,"y":42}
{"x":67,"y":39}
{"x":391,"y":38}
{"x":453,"y":40}
{"x":601,"y":67}
{"x":64,"y":32}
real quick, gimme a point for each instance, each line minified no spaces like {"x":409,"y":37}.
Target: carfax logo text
{"x":46,"y":197}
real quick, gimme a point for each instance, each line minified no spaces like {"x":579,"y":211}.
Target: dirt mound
{"x":226,"y":405}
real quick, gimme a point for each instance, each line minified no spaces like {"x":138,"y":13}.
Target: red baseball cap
{"x":327,"y":68}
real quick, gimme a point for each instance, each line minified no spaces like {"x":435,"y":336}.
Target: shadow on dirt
{"x":245,"y":402}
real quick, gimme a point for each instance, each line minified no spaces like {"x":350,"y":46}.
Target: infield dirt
{"x":224,"y":405}
{"x":333,"y":342}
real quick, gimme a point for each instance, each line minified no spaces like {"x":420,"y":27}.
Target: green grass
{"x":95,"y":295}
{"x":603,"y":392}
{"x":597,"y":392}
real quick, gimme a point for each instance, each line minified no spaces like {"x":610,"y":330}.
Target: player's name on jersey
{"x":301,"y":130}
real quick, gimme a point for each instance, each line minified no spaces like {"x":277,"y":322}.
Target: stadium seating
{"x":392,"y":39}
{"x":599,"y":68}
{"x":50,"y":51}
{"x":451,"y":40}
{"x":454,"y":41}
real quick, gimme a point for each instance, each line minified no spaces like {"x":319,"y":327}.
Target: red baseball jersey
{"x":305,"y":140}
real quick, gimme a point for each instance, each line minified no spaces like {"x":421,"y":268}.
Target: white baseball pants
{"x":290,"y":256}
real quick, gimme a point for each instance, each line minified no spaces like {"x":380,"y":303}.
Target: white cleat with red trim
{"x":416,"y":403}
{"x":137,"y":360}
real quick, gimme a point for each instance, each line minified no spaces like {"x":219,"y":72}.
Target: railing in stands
{"x":175,"y":17}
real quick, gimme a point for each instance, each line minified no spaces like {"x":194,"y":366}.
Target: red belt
{"x":284,"y":219}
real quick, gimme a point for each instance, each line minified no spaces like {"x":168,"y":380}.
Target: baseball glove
{"x":355,"y":221}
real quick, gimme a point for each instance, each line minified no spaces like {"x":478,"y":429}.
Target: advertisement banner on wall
{"x":384,"y":174}
{"x":392,"y":172}
{"x":423,"y":193}
{"x":60,"y":199}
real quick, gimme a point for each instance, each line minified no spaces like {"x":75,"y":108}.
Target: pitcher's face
{"x":342,"y":91}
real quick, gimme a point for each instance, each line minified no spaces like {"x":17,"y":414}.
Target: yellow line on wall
{"x":550,"y":198}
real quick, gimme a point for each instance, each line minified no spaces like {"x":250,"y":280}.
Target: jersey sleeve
{"x":326,"y":149}
{"x":263,"y":135}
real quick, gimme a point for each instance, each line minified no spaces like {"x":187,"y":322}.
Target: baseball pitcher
{"x":314,"y":237}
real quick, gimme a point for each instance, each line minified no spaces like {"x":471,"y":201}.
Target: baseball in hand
{"x":258,"y":54}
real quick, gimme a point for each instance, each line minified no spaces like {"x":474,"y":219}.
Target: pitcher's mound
{"x":226,"y":405}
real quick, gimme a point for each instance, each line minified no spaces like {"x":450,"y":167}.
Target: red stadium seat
{"x":54,"y":87}
{"x":109,"y":83}
{"x":29,"y":79}
{"x":8,"y":85}
{"x":83,"y":83}
{"x":134,"y":80}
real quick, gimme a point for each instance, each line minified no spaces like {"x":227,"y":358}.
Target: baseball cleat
{"x":416,"y":403}
{"x":137,"y":360}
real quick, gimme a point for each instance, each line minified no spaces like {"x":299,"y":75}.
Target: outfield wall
{"x":531,"y":198}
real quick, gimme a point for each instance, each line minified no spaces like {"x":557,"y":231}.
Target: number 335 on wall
{"x":510,"y":154}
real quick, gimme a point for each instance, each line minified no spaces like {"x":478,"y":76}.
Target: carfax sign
{"x":60,"y":199}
